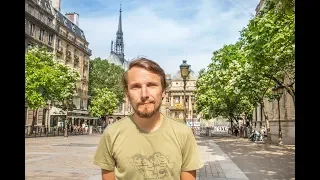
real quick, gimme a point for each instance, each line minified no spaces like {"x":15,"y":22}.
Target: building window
{"x":65,"y":21}
{"x":32,"y":28}
{"x":177,"y":100}
{"x":73,"y":28}
{"x":167,"y":99}
{"x":85,"y":104}
{"x":82,"y":35}
{"x":81,"y":104}
{"x":50,"y":38}
{"x":41,"y":34}
{"x":59,"y":43}
{"x":44,"y":115}
{"x":40,"y":16}
{"x":120,"y":107}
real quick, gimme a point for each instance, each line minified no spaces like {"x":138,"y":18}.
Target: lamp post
{"x":192,"y":103}
{"x":277,"y":92}
{"x":184,"y":70}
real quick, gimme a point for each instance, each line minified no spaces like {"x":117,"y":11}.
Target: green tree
{"x":105,"y":75}
{"x":103,"y":103}
{"x":269,"y":45}
{"x":46,"y":80}
{"x":217,"y":93}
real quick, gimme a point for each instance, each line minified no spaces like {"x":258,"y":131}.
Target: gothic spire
{"x":119,"y":46}
{"x":120,"y":23}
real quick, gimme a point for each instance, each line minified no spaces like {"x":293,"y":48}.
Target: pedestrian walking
{"x":147,"y":144}
{"x":236,"y":131}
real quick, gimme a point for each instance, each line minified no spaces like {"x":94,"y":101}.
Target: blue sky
{"x":166,"y":31}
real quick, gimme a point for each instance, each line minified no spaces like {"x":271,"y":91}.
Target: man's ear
{"x":163,"y":94}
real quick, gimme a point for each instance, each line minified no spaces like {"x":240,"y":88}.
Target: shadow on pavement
{"x":257,"y":161}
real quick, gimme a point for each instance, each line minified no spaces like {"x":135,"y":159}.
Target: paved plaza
{"x":67,"y":158}
{"x":259,"y":161}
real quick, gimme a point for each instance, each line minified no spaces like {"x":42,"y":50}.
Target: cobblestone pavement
{"x":68,"y":158}
{"x":217,"y":165}
{"x":57,"y":158}
{"x":259,"y":161}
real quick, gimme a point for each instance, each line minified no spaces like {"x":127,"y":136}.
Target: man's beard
{"x":146,"y":113}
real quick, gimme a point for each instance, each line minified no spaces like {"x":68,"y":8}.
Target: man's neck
{"x":149,"y":124}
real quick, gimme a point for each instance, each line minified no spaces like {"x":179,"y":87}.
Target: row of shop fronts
{"x":56,"y":117}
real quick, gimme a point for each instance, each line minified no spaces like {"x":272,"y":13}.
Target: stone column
{"x":172,"y":100}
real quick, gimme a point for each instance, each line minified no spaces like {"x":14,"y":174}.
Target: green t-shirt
{"x":134,"y":154}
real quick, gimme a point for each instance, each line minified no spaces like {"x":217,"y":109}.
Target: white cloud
{"x":167,"y":39}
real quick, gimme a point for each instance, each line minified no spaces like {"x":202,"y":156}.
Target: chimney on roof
{"x":56,"y":4}
{"x":74,"y":17}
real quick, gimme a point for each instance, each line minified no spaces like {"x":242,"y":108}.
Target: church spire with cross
{"x":118,"y":47}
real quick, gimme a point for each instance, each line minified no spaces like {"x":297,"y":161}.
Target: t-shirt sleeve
{"x":191,"y":159}
{"x":103,"y":156}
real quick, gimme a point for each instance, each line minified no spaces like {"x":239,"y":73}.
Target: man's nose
{"x":144,"y":92}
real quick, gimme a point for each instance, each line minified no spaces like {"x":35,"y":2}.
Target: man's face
{"x":145,"y":91}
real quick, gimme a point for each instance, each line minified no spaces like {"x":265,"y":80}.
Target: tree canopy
{"x":103,"y":103}
{"x":105,"y":75}
{"x":47,"y":79}
{"x":242,"y":74}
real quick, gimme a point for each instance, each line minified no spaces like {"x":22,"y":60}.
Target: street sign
{"x":196,"y":124}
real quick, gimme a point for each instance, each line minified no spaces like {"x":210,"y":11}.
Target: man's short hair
{"x":148,"y":65}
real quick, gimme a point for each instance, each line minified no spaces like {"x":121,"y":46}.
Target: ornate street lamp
{"x":184,"y":70}
{"x":192,"y":103}
{"x":277,"y":92}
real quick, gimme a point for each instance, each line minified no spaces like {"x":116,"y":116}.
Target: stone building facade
{"x":287,"y":118}
{"x":46,"y":26}
{"x":173,"y":103}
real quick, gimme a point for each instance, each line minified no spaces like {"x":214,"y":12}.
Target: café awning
{"x":83,"y":117}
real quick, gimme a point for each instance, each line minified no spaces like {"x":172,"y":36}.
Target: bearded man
{"x":147,"y":145}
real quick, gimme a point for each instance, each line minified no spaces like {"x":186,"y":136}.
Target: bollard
{"x":90,"y":129}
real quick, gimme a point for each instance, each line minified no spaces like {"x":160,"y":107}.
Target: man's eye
{"x":151,"y":84}
{"x":134,"y":87}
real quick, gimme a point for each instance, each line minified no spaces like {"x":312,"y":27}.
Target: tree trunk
{"x":65,"y":124}
{"x":231,"y":125}
{"x":267,"y":122}
{"x":292,"y":94}
{"x":47,"y":119}
{"x":34,"y":119}
{"x":250,"y":124}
